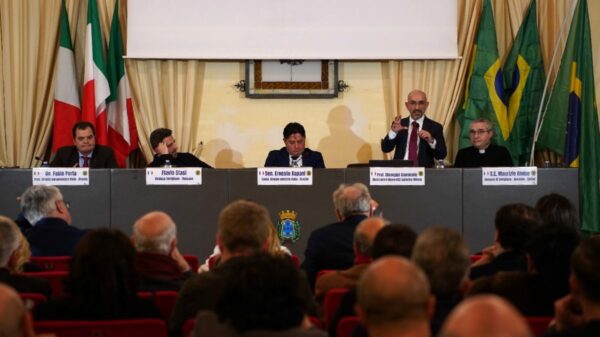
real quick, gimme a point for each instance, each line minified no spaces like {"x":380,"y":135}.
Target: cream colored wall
{"x":239,"y":132}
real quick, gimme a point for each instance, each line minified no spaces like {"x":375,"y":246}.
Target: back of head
{"x":12,"y":314}
{"x":352,"y":199}
{"x":393,"y":290}
{"x":158,"y":135}
{"x":292,"y":128}
{"x":557,"y":211}
{"x":154,"y":232}
{"x":263,"y":294}
{"x":514,"y":223}
{"x":485,"y":316}
{"x":394,"y":239}
{"x":102,"y":272}
{"x":444,"y":257}
{"x":38,"y":202}
{"x":365,"y":233}
{"x":9,"y":240}
{"x":585,"y":264}
{"x":244,"y":226}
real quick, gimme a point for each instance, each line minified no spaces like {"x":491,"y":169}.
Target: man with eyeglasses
{"x":51,"y":233}
{"x":483,"y":153}
{"x":416,"y":137}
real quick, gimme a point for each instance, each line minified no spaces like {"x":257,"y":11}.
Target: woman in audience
{"x":102,"y":283}
{"x":20,"y":261}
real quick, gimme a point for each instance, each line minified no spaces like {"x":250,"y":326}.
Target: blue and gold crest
{"x":288,"y":228}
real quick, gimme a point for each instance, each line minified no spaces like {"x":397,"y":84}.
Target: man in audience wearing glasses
{"x":482,"y":153}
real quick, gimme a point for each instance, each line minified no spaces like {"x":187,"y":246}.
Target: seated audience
{"x":9,"y":254}
{"x":483,"y":153}
{"x":294,"y":154}
{"x":330,"y":247}
{"x":263,"y":298}
{"x":15,"y":319}
{"x":165,"y":148}
{"x":158,"y":261}
{"x":558,"y":212}
{"x":363,"y":241}
{"x":445,"y":259}
{"x":21,"y":260}
{"x":394,"y":299}
{"x":84,"y":152}
{"x":514,"y":223}
{"x":52,"y":233}
{"x":102,"y":283}
{"x":485,"y":315}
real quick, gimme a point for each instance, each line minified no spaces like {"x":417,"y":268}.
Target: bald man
{"x":428,"y":134}
{"x":15,"y":320}
{"x":364,"y":235}
{"x":159,"y":262}
{"x":394,"y":299}
{"x":485,"y":316}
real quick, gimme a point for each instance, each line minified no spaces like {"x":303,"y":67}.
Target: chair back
{"x":538,"y":324}
{"x":188,"y":326}
{"x":331,"y":303}
{"x":114,"y":328}
{"x":32,"y":299}
{"x":51,"y":263}
{"x":346,"y":326}
{"x":192,"y":260}
{"x":164,"y":300}
{"x":55,"y":278}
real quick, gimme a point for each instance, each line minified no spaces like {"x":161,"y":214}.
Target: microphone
{"x":41,"y":159}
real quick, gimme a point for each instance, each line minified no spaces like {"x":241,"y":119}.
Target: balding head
{"x":393,"y":290}
{"x":155,"y":232}
{"x":351,"y":199}
{"x":365,"y":233}
{"x":485,"y":316}
{"x":14,"y":319}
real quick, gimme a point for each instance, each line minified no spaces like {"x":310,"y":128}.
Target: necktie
{"x":86,"y":161}
{"x":413,"y":143}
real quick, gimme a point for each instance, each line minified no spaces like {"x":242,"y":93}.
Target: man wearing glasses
{"x":51,"y":233}
{"x":416,"y":137}
{"x":482,"y":153}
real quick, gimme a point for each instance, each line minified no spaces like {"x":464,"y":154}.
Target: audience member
{"x":363,"y":243}
{"x":165,"y":148}
{"x":482,"y":153}
{"x":52,"y":233}
{"x":425,"y":144}
{"x":15,"y":319}
{"x":514,"y":223}
{"x":85,"y":152}
{"x":445,"y":259}
{"x":485,"y":316}
{"x":558,"y":212}
{"x":21,"y":260}
{"x":9,"y":247}
{"x":394,"y":299}
{"x":158,"y":261}
{"x":294,"y":154}
{"x":102,"y":282}
{"x":263,"y":298}
{"x":578,"y":313}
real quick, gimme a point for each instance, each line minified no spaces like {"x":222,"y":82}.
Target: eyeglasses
{"x":478,"y":132}
{"x":67,"y":204}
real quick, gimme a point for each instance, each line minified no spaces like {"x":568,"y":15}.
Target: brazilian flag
{"x":484,"y":92}
{"x":524,"y":84}
{"x":570,"y":125}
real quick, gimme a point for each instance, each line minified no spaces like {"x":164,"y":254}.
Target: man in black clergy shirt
{"x":165,"y":148}
{"x":84,"y":152}
{"x":483,"y":153}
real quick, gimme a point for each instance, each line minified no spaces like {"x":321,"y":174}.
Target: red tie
{"x":86,"y":161}
{"x":413,"y":143}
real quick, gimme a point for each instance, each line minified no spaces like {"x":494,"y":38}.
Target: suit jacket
{"x":181,"y":159}
{"x":68,"y":156}
{"x":281,"y":158}
{"x":426,"y":154}
{"x":53,"y":237}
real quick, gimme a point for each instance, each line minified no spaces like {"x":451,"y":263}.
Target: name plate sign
{"x":284,"y":176}
{"x":397,"y":176}
{"x":173,"y":176}
{"x":509,"y":176}
{"x":61,"y":176}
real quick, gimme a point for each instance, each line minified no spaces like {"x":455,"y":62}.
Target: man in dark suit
{"x":294,"y":154}
{"x":85,"y":152}
{"x":165,"y":149}
{"x":429,"y":135}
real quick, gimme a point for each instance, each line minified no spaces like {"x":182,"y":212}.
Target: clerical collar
{"x":482,"y":151}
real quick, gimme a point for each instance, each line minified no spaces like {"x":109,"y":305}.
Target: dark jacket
{"x":426,"y":154}
{"x":25,"y":284}
{"x":68,"y":156}
{"x":281,"y":158}
{"x":53,"y":237}
{"x":180,"y":159}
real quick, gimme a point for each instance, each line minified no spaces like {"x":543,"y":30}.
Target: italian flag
{"x":122,"y":133}
{"x":95,"y":82}
{"x":67,"y":109}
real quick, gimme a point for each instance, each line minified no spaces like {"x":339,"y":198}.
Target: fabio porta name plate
{"x":173,"y":176}
{"x":284,"y":176}
{"x":503,"y":176}
{"x":59,"y":176}
{"x":397,"y":176}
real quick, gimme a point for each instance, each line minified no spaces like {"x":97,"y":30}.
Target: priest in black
{"x":165,"y":148}
{"x":483,"y":153}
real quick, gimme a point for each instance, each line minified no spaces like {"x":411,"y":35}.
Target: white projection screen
{"x":285,"y":29}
